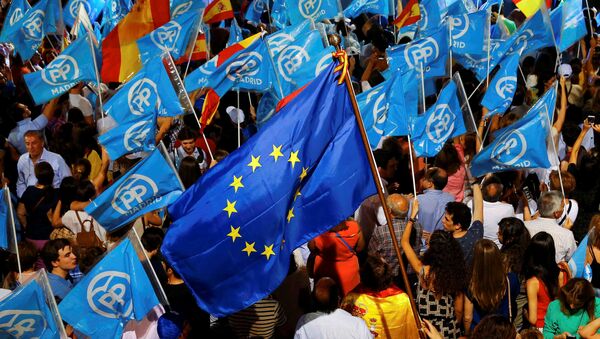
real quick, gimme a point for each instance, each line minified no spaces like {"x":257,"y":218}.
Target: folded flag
{"x":218,"y":10}
{"x":255,"y":207}
{"x":300,"y":10}
{"x":279,"y":14}
{"x":358,"y":7}
{"x":180,"y":7}
{"x":281,"y":39}
{"x":469,"y":33}
{"x":255,"y":10}
{"x":501,"y":91}
{"x":73,"y":65}
{"x":431,"y":12}
{"x":149,"y":185}
{"x":115,"y":291}
{"x":409,"y":15}
{"x":92,"y":7}
{"x":16,"y":11}
{"x":235,"y":33}
{"x":568,"y":23}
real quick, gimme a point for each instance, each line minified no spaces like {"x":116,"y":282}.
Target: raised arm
{"x":577,"y":145}
{"x":98,"y":180}
{"x":412,"y":257}
{"x":562,"y":112}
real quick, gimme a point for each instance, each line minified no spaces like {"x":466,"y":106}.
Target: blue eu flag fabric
{"x":115,"y":291}
{"x":281,"y":39}
{"x":520,"y":145}
{"x":25,"y":314}
{"x":501,"y":91}
{"x":300,"y":175}
{"x":440,"y":122}
{"x":255,"y":10}
{"x":149,"y":185}
{"x":568,"y":23}
{"x":173,"y":37}
{"x":73,"y":65}
{"x":357,"y":7}
{"x":17,"y":10}
{"x":150,"y":90}
{"x":469,"y":33}
{"x":92,"y":7}
{"x":131,"y":136}
{"x":300,"y":10}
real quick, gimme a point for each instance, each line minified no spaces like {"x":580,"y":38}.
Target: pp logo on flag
{"x":379,"y":110}
{"x":15,"y":16}
{"x":506,"y":86}
{"x":310,"y":8}
{"x":290,"y":60}
{"x":460,"y":25}
{"x":181,"y":9}
{"x":440,"y":124}
{"x":420,"y":54}
{"x":22,"y":323}
{"x":280,"y":41}
{"x":424,"y":22}
{"x":136,"y":135}
{"x":244,"y":66}
{"x":258,"y":6}
{"x":143,"y":97}
{"x":135,"y":190}
{"x":166,"y":36}
{"x":74,"y":7}
{"x":520,"y":43}
{"x":61,"y":71}
{"x":510,"y":149}
{"x":32,"y":26}
{"x":109,"y":295}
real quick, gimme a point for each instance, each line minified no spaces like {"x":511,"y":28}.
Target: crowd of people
{"x":473,"y":257}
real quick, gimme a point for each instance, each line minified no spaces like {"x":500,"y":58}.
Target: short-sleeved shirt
{"x":60,"y":286}
{"x":37,"y":206}
{"x":258,"y":320}
{"x":467,"y":242}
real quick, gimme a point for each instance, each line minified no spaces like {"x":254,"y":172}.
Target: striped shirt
{"x":258,"y":320}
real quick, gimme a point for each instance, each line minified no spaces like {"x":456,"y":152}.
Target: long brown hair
{"x":488,"y":280}
{"x":579,"y":293}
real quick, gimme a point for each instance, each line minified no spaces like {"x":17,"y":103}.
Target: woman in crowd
{"x":451,"y":158}
{"x":189,"y":171}
{"x":593,"y":252}
{"x":442,"y":278}
{"x":27,"y":257}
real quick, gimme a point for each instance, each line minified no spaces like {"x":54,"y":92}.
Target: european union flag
{"x":134,"y":135}
{"x":73,"y":65}
{"x":440,"y":122}
{"x":357,"y":7}
{"x":173,"y":37}
{"x":500,"y":93}
{"x":115,"y":291}
{"x":25,"y":313}
{"x":300,"y":10}
{"x":255,"y":10}
{"x":235,"y":33}
{"x":270,"y":196}
{"x":520,"y":145}
{"x":92,"y":7}
{"x":150,"y":90}
{"x":149,"y":185}
{"x":180,"y":7}
{"x":114,"y":11}
{"x":469,"y":33}
{"x":281,"y":39}
{"x":568,"y":23}
{"x":17,"y":10}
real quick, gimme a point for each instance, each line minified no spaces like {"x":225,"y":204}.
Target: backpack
{"x":87,"y":239}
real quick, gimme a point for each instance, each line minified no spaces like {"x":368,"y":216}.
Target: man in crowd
{"x":59,"y":260}
{"x":432,"y":202}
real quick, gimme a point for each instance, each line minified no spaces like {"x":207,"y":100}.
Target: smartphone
{"x":591,"y":119}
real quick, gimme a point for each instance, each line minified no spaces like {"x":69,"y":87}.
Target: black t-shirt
{"x":37,"y":205}
{"x":183,"y":302}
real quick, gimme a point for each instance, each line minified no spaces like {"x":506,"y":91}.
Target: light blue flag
{"x":115,"y":291}
{"x":255,"y":10}
{"x":279,"y":14}
{"x":17,"y":10}
{"x":180,"y":7}
{"x":258,"y":74}
{"x":73,"y":65}
{"x":296,"y":55}
{"x":431,"y":16}
{"x":92,"y":7}
{"x":173,"y":37}
{"x":488,"y":4}
{"x":114,"y":11}
{"x":266,"y":108}
{"x":430,"y":52}
{"x":456,"y":8}
{"x":577,"y":261}
{"x":151,"y":184}
{"x":25,"y":314}
{"x":469,"y":33}
{"x":440,"y":122}
{"x":520,"y":145}
{"x":311,"y":69}
{"x":149,"y":90}
{"x":136,"y":134}
{"x":501,"y":91}
{"x":300,"y":10}
{"x":568,"y":23}
{"x":6,"y":219}
{"x":357,"y":7}
{"x":281,"y":39}
{"x":235,"y":33}
{"x":477,"y":63}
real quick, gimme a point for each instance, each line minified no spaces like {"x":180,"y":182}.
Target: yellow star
{"x":249,"y":248}
{"x":254,"y":163}
{"x":297,"y":195}
{"x":294,"y":158}
{"x":230,"y":208}
{"x":235,"y":233}
{"x":268,"y":252}
{"x":276,"y":152}
{"x":237,"y":183}
{"x":304,"y":173}
{"x":290,"y":215}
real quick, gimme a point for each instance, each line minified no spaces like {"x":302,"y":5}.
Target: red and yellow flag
{"x":409,"y":15}
{"x":218,"y":10}
{"x":529,"y":7}
{"x":120,"y":54}
{"x":198,"y":50}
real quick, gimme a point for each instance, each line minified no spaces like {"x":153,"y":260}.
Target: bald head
{"x":326,"y":295}
{"x":398,"y":205}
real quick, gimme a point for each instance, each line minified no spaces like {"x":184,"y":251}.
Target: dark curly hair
{"x":447,"y":268}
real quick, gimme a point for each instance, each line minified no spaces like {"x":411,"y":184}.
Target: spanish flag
{"x":218,"y":10}
{"x":198,"y":50}
{"x":409,"y":15}
{"x":529,"y":7}
{"x":120,"y":54}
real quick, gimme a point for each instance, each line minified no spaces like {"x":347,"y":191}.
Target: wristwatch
{"x":413,"y":220}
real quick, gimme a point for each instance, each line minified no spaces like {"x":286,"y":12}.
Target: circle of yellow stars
{"x":237,"y":184}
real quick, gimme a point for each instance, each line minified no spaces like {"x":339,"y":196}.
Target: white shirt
{"x":338,"y":324}
{"x":81,"y":102}
{"x":564,"y":242}
{"x":70,"y":221}
{"x":493,"y":212}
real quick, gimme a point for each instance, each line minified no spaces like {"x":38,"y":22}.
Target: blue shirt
{"x":432,"y":207}
{"x":25,"y":168}
{"x":16,"y":136}
{"x":60,"y":286}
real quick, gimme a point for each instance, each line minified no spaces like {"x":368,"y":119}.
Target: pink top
{"x":456,"y":181}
